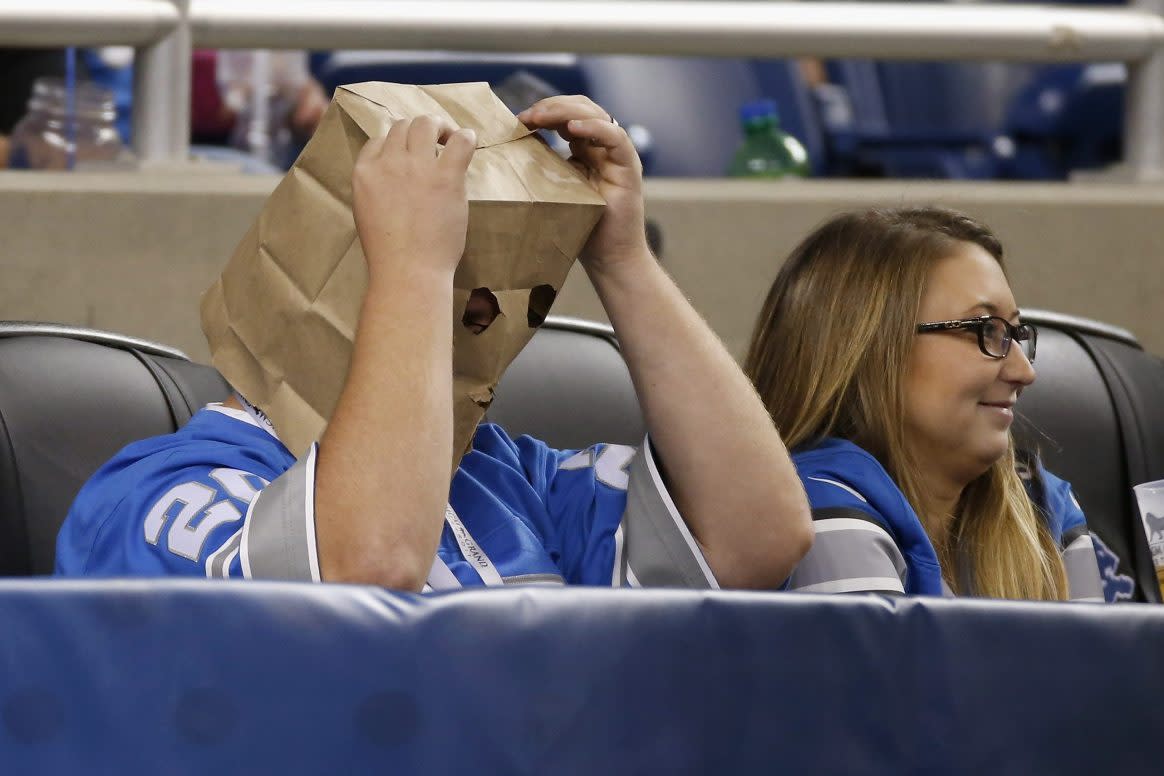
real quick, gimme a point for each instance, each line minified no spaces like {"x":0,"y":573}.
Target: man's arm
{"x":728,"y":470}
{"x":382,"y":475}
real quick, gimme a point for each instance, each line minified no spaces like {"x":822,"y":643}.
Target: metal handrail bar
{"x":762,"y":29}
{"x":164,"y":31}
{"x":879,"y":30}
{"x":47,"y":23}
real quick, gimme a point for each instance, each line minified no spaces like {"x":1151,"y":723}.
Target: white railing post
{"x":161,"y":94}
{"x":1144,"y":111}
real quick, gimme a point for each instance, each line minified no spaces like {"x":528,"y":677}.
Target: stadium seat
{"x":72,"y":397}
{"x":921,"y":119}
{"x":570,"y":388}
{"x":69,"y":399}
{"x":1095,"y":417}
{"x":1068,"y":118}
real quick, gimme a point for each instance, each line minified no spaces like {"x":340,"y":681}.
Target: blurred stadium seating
{"x":873,"y":119}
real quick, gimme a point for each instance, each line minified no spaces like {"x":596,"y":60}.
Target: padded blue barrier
{"x":181,"y":677}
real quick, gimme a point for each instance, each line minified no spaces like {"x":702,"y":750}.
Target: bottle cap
{"x":758,"y":109}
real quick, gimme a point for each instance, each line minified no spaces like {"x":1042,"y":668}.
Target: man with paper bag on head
{"x":353,"y":362}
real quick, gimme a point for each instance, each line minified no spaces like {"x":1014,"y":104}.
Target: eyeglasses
{"x":995,"y":334}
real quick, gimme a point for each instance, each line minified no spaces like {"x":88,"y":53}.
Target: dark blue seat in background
{"x":919,"y":119}
{"x":1068,"y":118}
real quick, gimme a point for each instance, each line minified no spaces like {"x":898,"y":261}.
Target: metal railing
{"x":163,"y":32}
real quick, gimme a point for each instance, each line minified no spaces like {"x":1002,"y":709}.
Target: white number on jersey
{"x":184,"y":504}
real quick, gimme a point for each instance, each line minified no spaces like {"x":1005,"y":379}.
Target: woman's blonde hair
{"x":829,"y":354}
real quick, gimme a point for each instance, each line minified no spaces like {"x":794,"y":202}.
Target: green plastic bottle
{"x":767,"y":150}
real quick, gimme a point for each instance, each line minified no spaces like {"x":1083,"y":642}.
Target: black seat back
{"x":1096,"y":416}
{"x":69,"y":399}
{"x":570,"y":388}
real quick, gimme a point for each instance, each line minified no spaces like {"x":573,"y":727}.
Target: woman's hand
{"x":604,"y":152}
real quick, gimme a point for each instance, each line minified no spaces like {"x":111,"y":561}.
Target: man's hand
{"x":605,"y":153}
{"x":408,"y":196}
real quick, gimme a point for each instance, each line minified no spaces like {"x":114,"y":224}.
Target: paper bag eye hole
{"x":541,"y":298}
{"x":482,"y":308}
{"x":480,"y":311}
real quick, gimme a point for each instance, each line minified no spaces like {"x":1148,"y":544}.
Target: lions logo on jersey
{"x":1116,"y":586}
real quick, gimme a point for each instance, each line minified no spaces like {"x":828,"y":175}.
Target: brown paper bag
{"x":281,"y":319}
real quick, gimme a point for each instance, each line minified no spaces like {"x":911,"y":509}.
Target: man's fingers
{"x":586,"y":154}
{"x":426,"y":131}
{"x":371,"y":148}
{"x":554,"y":112}
{"x":459,"y":150}
{"x":600,"y":133}
{"x":447,"y":130}
{"x":397,"y":136}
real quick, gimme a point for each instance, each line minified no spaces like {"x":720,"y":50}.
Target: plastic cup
{"x":1150,"y":497}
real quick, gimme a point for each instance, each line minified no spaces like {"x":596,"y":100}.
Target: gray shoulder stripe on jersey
{"x":848,"y":549}
{"x":657,"y":543}
{"x":218,"y":562}
{"x":275,"y":541}
{"x":1069,"y":537}
{"x":1083,"y":580}
{"x":1080,"y":541}
{"x":618,"y":575}
{"x":883,"y":585}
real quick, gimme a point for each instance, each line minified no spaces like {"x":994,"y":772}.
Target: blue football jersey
{"x":222,"y":497}
{"x":870,"y":539}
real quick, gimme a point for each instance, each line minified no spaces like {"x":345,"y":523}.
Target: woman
{"x":890,"y":354}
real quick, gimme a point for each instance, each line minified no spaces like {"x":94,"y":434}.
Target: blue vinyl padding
{"x":176,"y":677}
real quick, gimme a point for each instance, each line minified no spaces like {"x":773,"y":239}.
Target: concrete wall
{"x":132,"y":253}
